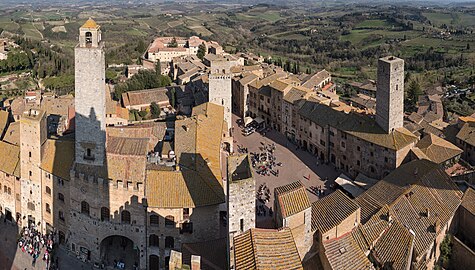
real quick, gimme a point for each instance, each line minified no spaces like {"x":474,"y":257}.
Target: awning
{"x":345,"y":182}
{"x":247,"y":120}
{"x":259,"y":120}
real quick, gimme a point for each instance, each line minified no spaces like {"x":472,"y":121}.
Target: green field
{"x":31,"y":32}
{"x":373,"y":24}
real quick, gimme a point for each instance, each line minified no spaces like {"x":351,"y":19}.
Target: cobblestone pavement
{"x":12,"y":258}
{"x":297,"y":165}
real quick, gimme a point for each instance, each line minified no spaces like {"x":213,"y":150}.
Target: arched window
{"x":88,"y":37}
{"x":153,"y":240}
{"x":169,"y":242}
{"x":125,"y":216}
{"x":85,"y":208}
{"x":61,"y":197}
{"x":105,"y":214}
{"x":48,"y":190}
{"x":154,"y":220}
{"x":169,"y":221}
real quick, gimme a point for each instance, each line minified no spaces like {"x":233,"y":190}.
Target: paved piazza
{"x":297,"y":165}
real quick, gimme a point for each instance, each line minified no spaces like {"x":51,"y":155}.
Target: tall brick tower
{"x":90,"y":100}
{"x":390,"y":93}
{"x":33,"y":134}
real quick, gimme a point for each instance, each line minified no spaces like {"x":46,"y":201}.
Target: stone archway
{"x":117,"y":248}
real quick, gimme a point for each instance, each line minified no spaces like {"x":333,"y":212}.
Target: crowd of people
{"x":263,"y":193}
{"x":32,"y":241}
{"x":265,"y":161}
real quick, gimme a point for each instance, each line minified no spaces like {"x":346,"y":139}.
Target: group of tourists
{"x":33,"y":242}
{"x":263,"y":193}
{"x":265,"y":161}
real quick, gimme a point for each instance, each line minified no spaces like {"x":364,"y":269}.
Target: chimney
{"x":427,"y":212}
{"x":195,"y":262}
{"x":390,"y":218}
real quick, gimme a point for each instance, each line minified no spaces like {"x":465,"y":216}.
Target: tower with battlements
{"x":390,"y":93}
{"x":90,"y":100}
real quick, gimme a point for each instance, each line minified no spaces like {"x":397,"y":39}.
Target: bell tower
{"x":90,"y":95}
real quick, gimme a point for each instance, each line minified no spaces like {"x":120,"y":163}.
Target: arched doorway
{"x":153,"y":262}
{"x":118,"y":248}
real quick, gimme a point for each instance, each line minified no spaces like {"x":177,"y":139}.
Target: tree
{"x":158,"y":68}
{"x":154,"y":110}
{"x":201,"y":51}
{"x":413,"y":92}
{"x":173,"y":43}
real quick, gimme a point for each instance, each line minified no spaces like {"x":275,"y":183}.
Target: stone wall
{"x":466,"y":225}
{"x":462,"y":256}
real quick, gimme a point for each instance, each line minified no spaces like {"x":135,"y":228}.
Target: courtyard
{"x":297,"y":165}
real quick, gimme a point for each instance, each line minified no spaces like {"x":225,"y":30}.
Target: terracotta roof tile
{"x":181,"y":189}
{"x":467,"y":133}
{"x":468,"y":200}
{"x":12,"y":135}
{"x":145,"y":97}
{"x":393,"y":250}
{"x":437,"y":149}
{"x":331,"y":210}
{"x":344,"y":253}
{"x":10,"y":161}
{"x":292,"y":198}
{"x":266,"y":249}
{"x":409,"y":192}
{"x":4,"y":115}
{"x":127,"y":146}
{"x":58,"y":157}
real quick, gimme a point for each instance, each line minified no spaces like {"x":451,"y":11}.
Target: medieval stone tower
{"x":90,"y":95}
{"x":241,"y":199}
{"x":220,"y":85}
{"x":33,"y":134}
{"x":390,"y":93}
